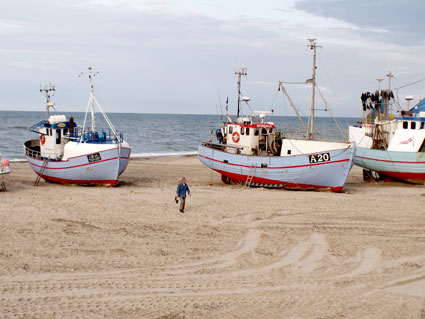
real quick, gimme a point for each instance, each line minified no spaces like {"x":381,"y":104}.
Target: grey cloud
{"x":389,"y":20}
{"x":152,"y":56}
{"x":160,"y":60}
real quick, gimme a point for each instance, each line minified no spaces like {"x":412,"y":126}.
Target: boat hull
{"x":80,"y":170}
{"x":400,"y":166}
{"x":295,"y":172}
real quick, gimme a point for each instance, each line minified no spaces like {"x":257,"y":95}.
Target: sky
{"x":180,"y":56}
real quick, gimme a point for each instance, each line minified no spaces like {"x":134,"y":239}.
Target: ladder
{"x":250,"y":176}
{"x":43,"y":167}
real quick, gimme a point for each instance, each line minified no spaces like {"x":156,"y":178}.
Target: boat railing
{"x":326,"y":134}
{"x":97,"y":137}
{"x":32,"y":153}
{"x":38,"y":125}
{"x":36,"y":154}
{"x":221,"y":147}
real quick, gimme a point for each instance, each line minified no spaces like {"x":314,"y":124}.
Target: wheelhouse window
{"x":422,"y":125}
{"x":242,"y":131}
{"x":58,"y":136}
{"x":247,"y":131}
{"x":413,"y":125}
{"x":230,"y":129}
{"x":270,"y":130}
{"x":257,"y":132}
{"x":263,"y":131}
{"x":405,"y":125}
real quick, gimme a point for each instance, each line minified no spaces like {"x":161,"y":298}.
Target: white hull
{"x":294,"y":171}
{"x":404,"y":157}
{"x":99,"y":164}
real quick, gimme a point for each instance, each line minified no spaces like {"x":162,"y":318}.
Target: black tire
{"x":225,"y":179}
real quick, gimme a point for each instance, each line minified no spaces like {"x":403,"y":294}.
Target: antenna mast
{"x":92,"y":74}
{"x":379,"y":83}
{"x":240,"y":72}
{"x":313,"y":46}
{"x":46,"y":92}
{"x":389,"y":109}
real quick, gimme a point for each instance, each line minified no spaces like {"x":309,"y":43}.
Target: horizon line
{"x":175,"y":114}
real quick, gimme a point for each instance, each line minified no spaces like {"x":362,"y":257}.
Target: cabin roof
{"x":420,"y":119}
{"x":254,"y":125}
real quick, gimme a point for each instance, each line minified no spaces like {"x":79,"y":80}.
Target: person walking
{"x":182,"y":189}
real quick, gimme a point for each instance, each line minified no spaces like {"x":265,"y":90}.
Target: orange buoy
{"x":42,"y":139}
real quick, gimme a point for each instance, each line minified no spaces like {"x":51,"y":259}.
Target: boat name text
{"x":94,"y":157}
{"x":317,"y":158}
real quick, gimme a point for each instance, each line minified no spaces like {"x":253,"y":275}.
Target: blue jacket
{"x":182,"y":189}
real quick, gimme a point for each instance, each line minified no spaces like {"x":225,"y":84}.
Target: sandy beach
{"x":126,"y":252}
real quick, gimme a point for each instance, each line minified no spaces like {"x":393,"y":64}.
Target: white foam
{"x":16,"y":160}
{"x":135,"y":155}
{"x":143,"y":155}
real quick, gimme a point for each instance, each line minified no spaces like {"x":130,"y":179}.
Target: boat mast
{"x":313,"y":47}
{"x":92,"y":99}
{"x":46,"y":92}
{"x":389,"y":109}
{"x":240,"y":72}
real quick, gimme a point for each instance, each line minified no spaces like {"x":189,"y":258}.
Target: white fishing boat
{"x":250,"y":150}
{"x":390,"y":147}
{"x":67,"y":153}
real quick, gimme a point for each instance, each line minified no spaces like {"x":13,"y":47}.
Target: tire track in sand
{"x":370,"y":260}
{"x":247,"y":244}
{"x":299,"y":255}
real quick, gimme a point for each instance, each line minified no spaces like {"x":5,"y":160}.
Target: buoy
{"x":42,"y":139}
{"x":5,"y":163}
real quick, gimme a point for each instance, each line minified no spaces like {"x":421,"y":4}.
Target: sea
{"x":152,"y":135}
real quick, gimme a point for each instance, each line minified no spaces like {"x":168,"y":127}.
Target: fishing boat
{"x":65,"y":152}
{"x":4,"y":169}
{"x":250,"y":150}
{"x":390,"y":147}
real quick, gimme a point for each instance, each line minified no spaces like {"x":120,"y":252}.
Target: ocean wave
{"x":143,"y":155}
{"x":16,"y":160}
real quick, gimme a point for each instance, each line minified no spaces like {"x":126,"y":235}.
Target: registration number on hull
{"x":318,"y":158}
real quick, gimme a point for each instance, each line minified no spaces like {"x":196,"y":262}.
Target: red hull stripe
{"x":404,"y":176}
{"x":87,"y":154}
{"x":115,"y":148}
{"x":283,"y":167}
{"x":111,"y":182}
{"x":389,"y":161}
{"x":67,"y":167}
{"x":260,"y":180}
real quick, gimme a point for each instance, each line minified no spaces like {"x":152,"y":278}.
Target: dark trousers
{"x":182,"y":202}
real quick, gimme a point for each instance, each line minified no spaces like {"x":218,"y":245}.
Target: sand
{"x":126,"y":252}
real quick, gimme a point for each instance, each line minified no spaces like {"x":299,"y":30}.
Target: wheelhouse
{"x":249,"y":138}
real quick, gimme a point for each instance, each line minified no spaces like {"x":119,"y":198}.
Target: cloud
{"x":150,"y":52}
{"x":168,"y":56}
{"x":384,"y":20}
